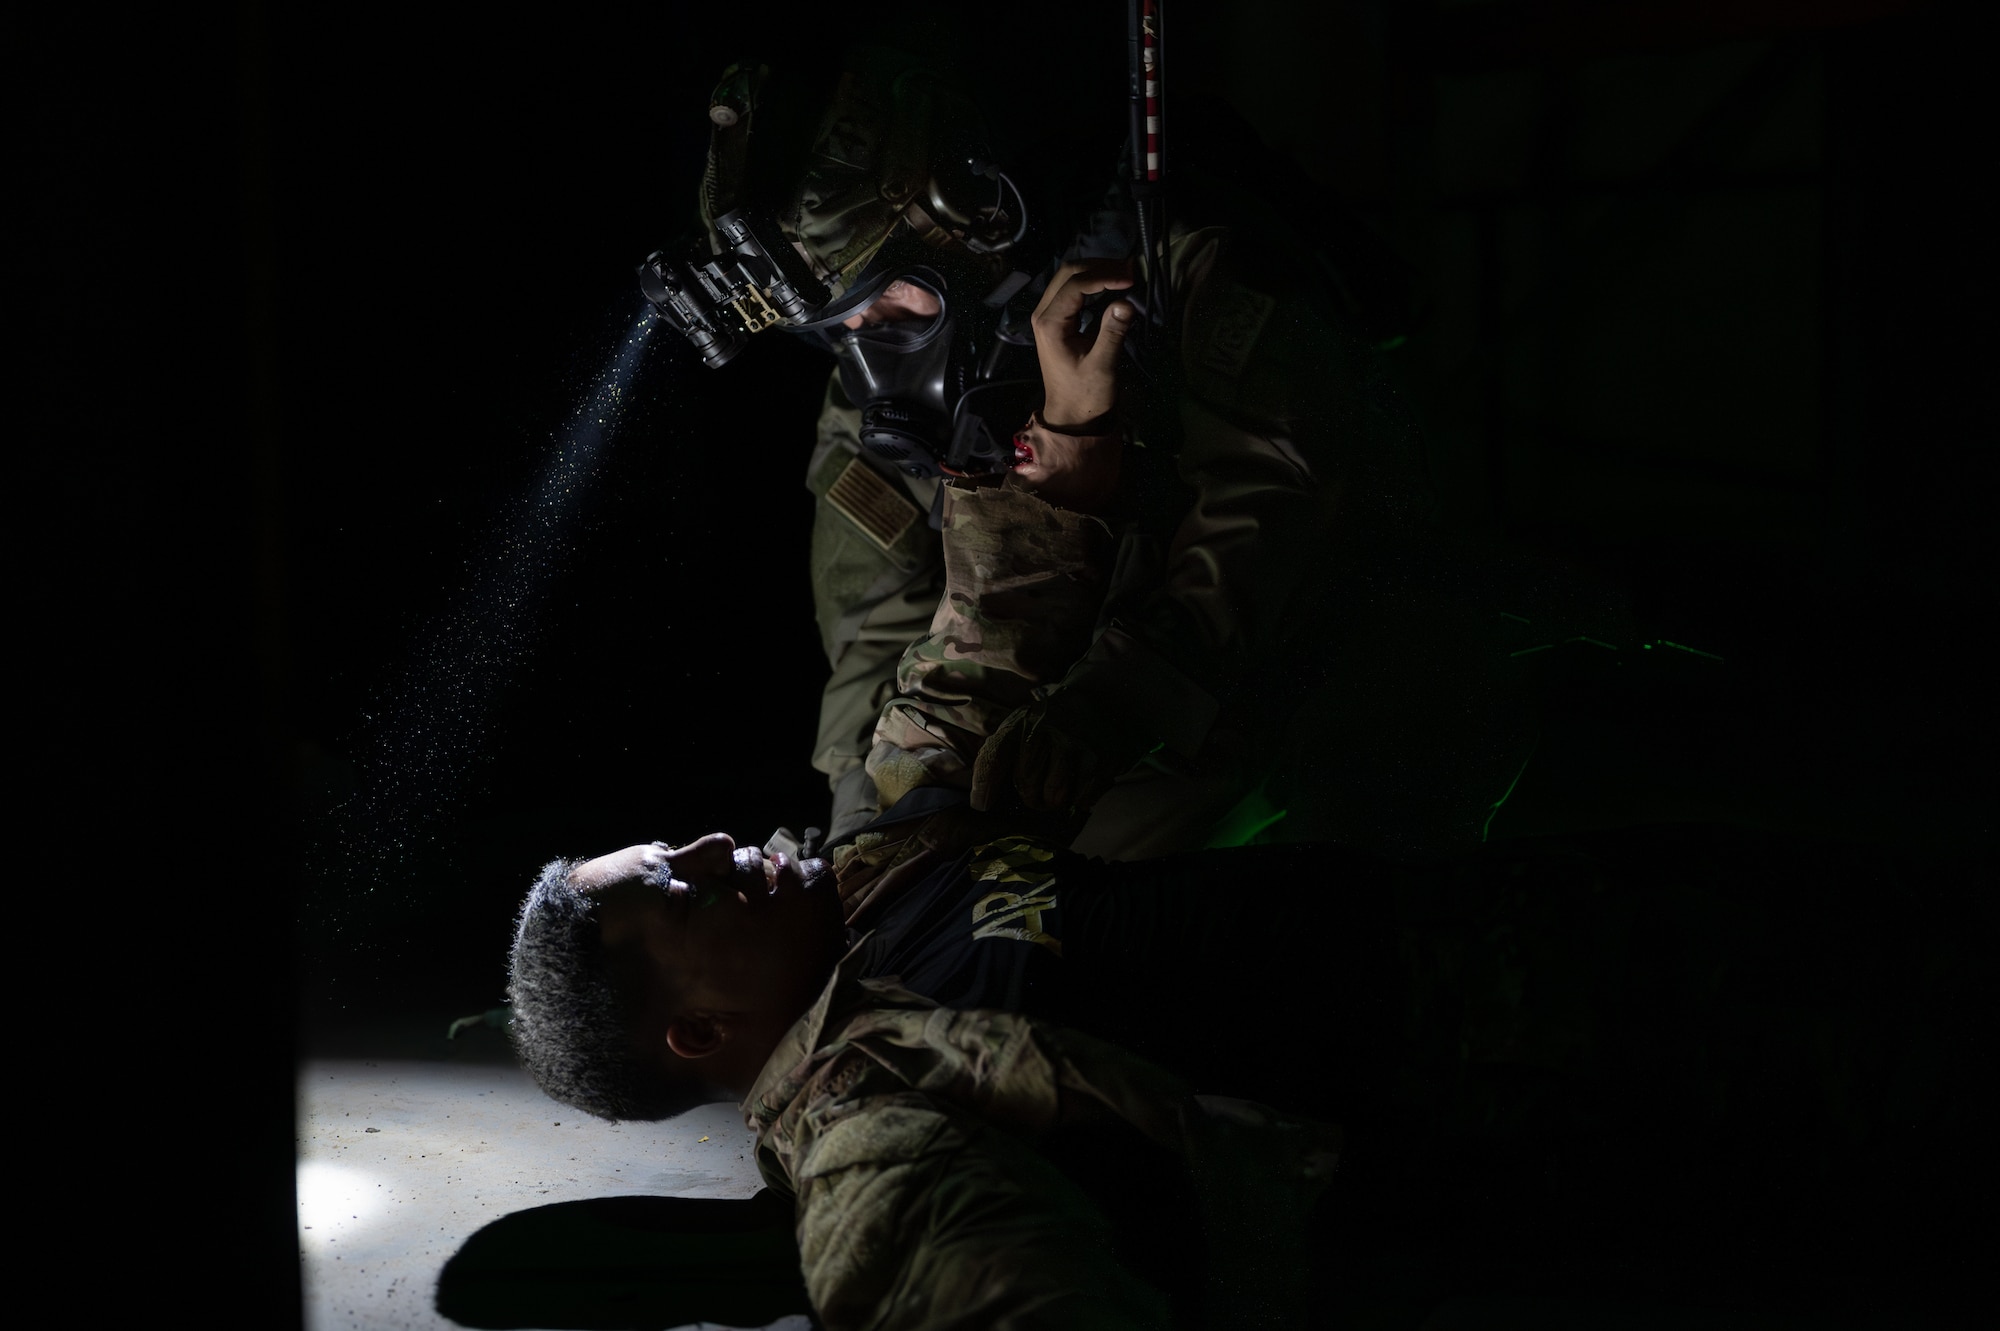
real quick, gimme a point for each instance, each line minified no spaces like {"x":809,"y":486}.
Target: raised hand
{"x":1079,"y":369}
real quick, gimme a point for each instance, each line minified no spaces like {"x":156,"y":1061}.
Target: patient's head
{"x":646,"y":980}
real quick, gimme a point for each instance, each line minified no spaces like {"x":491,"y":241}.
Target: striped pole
{"x":1149,"y":54}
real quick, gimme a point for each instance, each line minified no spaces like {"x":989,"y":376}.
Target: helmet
{"x":894,"y":179}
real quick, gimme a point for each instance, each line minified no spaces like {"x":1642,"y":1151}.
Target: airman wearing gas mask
{"x":1261,"y":448}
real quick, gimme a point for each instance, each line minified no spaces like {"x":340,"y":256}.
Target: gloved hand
{"x":1055,"y":755}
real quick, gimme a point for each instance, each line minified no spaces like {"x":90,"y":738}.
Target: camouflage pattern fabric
{"x":1653,"y":1049}
{"x":1282,"y":454}
{"x":908,"y":1135}
{"x":870,"y":156}
{"x":1023,"y":580}
{"x":1290,"y":455}
{"x":877,"y":573}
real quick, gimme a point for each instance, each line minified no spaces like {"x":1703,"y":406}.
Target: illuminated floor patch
{"x":399,"y":1163}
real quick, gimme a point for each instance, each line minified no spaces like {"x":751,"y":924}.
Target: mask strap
{"x":731,"y":108}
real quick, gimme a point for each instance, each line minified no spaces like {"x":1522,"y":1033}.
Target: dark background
{"x":315,"y":292}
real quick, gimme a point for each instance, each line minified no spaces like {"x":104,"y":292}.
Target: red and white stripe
{"x":1149,"y":29}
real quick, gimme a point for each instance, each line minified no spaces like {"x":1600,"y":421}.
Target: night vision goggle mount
{"x":717,"y":301}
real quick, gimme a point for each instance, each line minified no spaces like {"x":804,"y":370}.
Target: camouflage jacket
{"x":1023,"y":584}
{"x":908,"y":1134}
{"x":1276,"y":441}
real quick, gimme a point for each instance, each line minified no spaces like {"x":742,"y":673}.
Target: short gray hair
{"x":577,"y":1020}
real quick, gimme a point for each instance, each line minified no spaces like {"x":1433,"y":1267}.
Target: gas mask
{"x":898,"y":186}
{"x":938,"y":395}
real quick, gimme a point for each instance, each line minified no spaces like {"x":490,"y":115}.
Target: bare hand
{"x":1080,"y":370}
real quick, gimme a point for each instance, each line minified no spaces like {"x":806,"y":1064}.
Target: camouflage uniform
{"x":875,"y":566}
{"x":877,"y":573}
{"x":1023,"y":584}
{"x":1276,"y":453}
{"x":910,"y":1136}
{"x":1614,"y":1049}
{"x":1277,"y":457}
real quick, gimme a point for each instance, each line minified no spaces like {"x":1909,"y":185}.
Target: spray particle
{"x":421,"y":740}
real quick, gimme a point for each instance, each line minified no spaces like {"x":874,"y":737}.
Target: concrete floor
{"x":409,"y":1145}
{"x":399,"y":1162}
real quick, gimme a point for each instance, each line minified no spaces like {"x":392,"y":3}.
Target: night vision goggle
{"x":758,"y":281}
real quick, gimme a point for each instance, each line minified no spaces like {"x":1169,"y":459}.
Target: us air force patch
{"x":871,"y":503}
{"x":1239,"y":317}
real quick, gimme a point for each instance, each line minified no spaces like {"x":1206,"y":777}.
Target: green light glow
{"x":1685,"y":648}
{"x":1242,"y":824}
{"x":1494,"y":808}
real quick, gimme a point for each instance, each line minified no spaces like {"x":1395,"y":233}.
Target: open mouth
{"x":757,"y":868}
{"x":762,"y":876}
{"x":1024,"y":452}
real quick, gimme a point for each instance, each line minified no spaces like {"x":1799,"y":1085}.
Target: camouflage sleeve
{"x":1287,"y":441}
{"x":1023,"y":583}
{"x":921,"y":1200}
{"x":913,"y":1216}
{"x":876,"y":577}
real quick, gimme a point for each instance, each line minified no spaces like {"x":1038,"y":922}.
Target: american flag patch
{"x":871,"y":503}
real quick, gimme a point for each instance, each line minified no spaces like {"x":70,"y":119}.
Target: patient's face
{"x":730,"y":929}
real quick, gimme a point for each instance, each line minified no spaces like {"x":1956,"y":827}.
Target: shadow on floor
{"x":651,"y":1263}
{"x":629,"y":1262}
